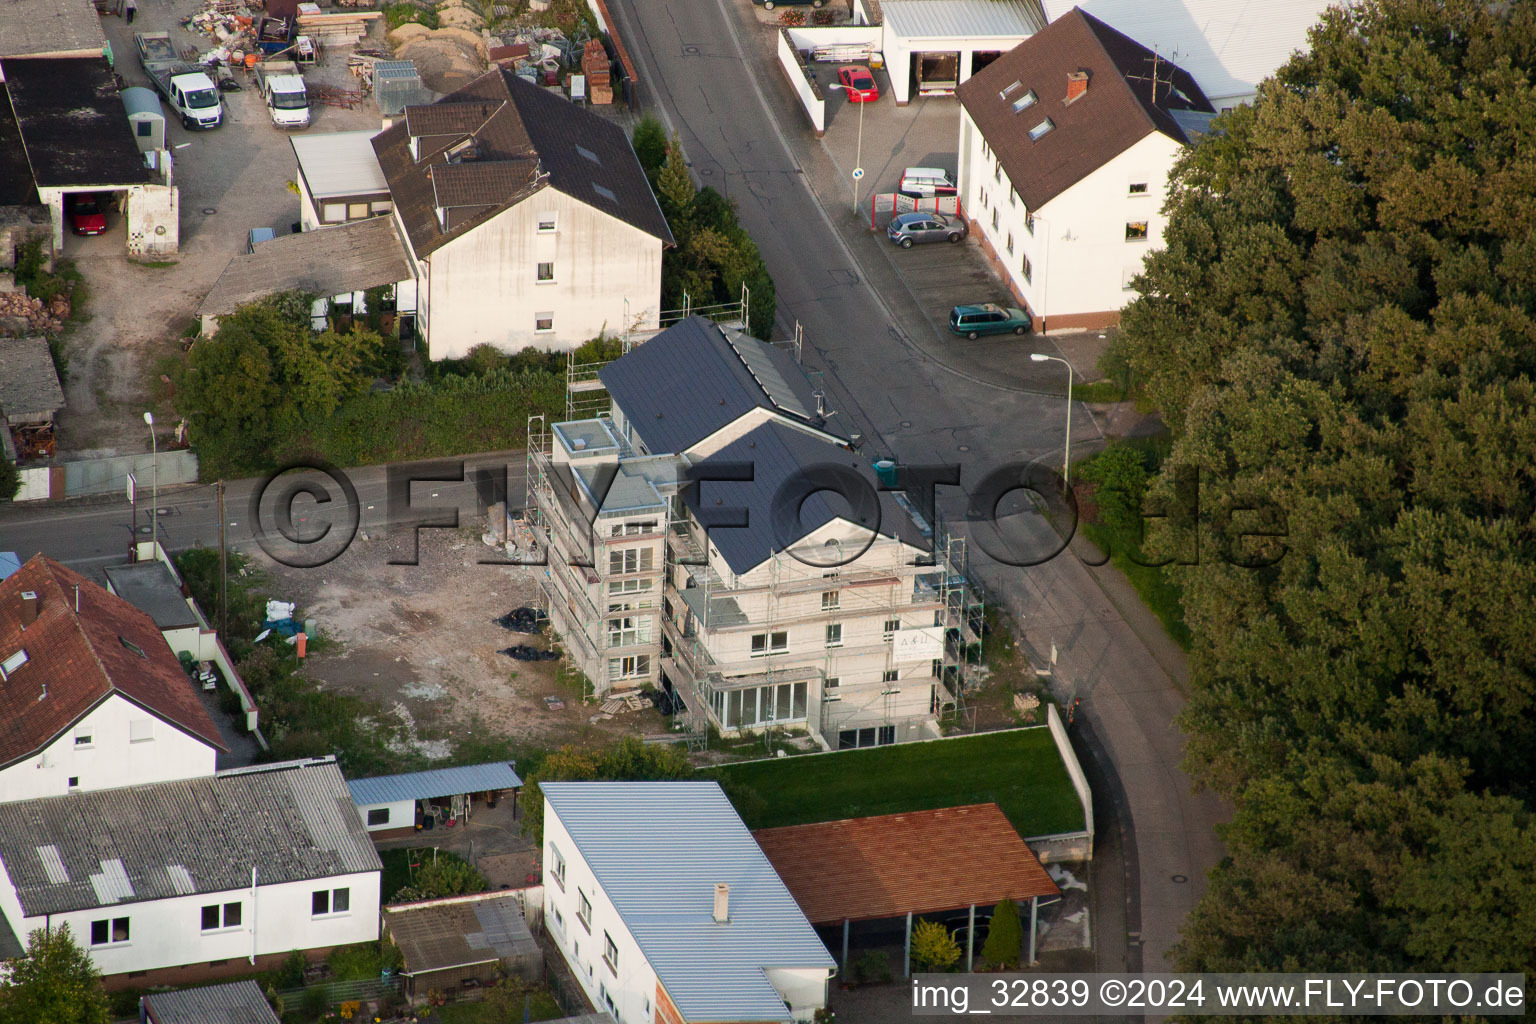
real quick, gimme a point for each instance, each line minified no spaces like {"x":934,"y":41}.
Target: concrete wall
{"x":107,"y":476}
{"x":153,"y":215}
{"x":1067,"y":845}
{"x":800,"y":80}
{"x":1080,"y":261}
{"x":483,"y":285}
{"x":112,"y":758}
{"x":168,"y":933}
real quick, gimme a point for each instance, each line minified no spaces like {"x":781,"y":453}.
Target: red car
{"x":87,"y":212}
{"x":859,"y":83}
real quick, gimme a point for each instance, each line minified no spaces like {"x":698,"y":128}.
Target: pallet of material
{"x":594,"y":64}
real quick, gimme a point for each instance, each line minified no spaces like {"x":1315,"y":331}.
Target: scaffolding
{"x":962,"y":614}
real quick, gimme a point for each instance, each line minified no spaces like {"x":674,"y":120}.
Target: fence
{"x":342,"y":991}
{"x":885,"y":205}
{"x":803,"y":82}
{"x":106,"y":476}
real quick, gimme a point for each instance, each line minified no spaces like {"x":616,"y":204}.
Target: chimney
{"x":722,"y":903}
{"x":1077,"y":84}
{"x":29,"y":603}
{"x":821,"y":402}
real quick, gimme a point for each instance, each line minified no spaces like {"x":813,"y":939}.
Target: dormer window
{"x":11,"y":664}
{"x":465,"y":149}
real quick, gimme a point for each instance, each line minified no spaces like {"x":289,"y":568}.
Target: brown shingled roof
{"x":1118,"y":109}
{"x":923,"y":862}
{"x":513,"y":123}
{"x":81,"y":658}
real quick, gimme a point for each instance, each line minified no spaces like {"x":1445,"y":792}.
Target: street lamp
{"x":1066,"y":461}
{"x":858,"y":153}
{"x":154,"y":506}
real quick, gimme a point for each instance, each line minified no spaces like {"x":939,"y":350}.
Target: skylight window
{"x":605,"y":193}
{"x":135,"y":648}
{"x":1025,"y":102}
{"x":584,"y":151}
{"x":1006,"y":92}
{"x":1039,"y":130}
{"x":11,"y":664}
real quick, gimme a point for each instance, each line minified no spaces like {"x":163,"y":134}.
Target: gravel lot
{"x":231,"y":180}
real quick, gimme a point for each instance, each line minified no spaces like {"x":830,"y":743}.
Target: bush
{"x":933,"y":947}
{"x":440,"y":878}
{"x":650,"y":142}
{"x":1005,"y":936}
{"x":873,"y":967}
{"x":399,"y":14}
{"x":10,"y":479}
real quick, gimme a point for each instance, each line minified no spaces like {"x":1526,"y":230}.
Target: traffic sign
{"x":858,"y":172}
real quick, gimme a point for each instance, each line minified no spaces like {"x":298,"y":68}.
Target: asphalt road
{"x":703,"y":63}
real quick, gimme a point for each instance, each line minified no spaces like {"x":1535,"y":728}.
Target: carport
{"x":75,"y":133}
{"x":901,"y":865}
{"x":931,"y":46}
{"x":393,"y":806}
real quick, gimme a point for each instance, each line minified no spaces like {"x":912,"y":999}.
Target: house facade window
{"x":215,"y":917}
{"x":761,"y":705}
{"x":890,"y":628}
{"x":610,"y":953}
{"x":995,"y":220}
{"x":1029,"y":223}
{"x":584,"y":910}
{"x":830,"y":599}
{"x":888,"y":676}
{"x":832,"y":683}
{"x":631,"y":560}
{"x":770,"y":643}
{"x":333,"y":213}
{"x":1136,"y":231}
{"x":1026,"y":269}
{"x":1138,"y":188}
{"x":628,"y":630}
{"x":1010,"y":243}
{"x":141,"y":730}
{"x":1128,"y":278}
{"x":110,"y":932}
{"x":329,"y":902}
{"x":618,"y":587}
{"x":546,"y":273}
{"x":630,"y":667}
{"x":557,"y":865}
{"x":547,"y":223}
{"x":835,"y":635}
{"x":870,"y":736}
{"x":543,"y":323}
{"x":1013,"y":196}
{"x":84,"y":738}
{"x":378,"y":816}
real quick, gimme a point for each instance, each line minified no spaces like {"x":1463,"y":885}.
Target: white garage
{"x":931,"y":46}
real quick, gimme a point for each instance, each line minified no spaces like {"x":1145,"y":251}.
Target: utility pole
{"x":223,"y":571}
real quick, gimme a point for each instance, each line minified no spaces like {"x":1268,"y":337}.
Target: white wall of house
{"x":628,"y":990}
{"x":1078,"y":259}
{"x":116,"y":744}
{"x":484,"y":285}
{"x":169,"y":933}
{"x":397,"y":814}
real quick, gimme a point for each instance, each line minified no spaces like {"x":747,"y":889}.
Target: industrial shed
{"x":901,"y":865}
{"x":397,"y":805}
{"x":463,"y":943}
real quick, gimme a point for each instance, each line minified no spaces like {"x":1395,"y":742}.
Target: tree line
{"x":1340,"y":336}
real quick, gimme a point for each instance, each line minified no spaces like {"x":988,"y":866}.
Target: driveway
{"x":891,"y":377}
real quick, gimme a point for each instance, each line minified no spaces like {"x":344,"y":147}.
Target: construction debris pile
{"x":24,"y":316}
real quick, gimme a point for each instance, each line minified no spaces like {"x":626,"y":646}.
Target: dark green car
{"x":989,"y":318}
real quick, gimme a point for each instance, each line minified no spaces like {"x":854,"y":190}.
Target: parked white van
{"x":927,"y":182}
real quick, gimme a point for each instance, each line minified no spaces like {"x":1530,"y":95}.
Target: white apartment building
{"x":93,"y":696}
{"x":528,"y":219}
{"x":835,"y":622}
{"x":667,"y":911}
{"x":178,"y":881}
{"x":1066,"y":143}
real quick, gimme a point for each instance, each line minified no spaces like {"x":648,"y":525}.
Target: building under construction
{"x":692,"y":545}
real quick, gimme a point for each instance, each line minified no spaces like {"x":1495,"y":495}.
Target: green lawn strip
{"x":542,"y":1006}
{"x":1019,"y":770}
{"x":1156,"y":589}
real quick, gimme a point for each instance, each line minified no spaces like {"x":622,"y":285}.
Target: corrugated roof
{"x":339,"y":163}
{"x":923,"y":862}
{"x":348,"y":258}
{"x":696,"y":377}
{"x":458,"y":933}
{"x":428,"y":785}
{"x":778,"y":454}
{"x":1117,"y":110}
{"x":961,"y":19}
{"x":292,"y":822}
{"x":150,"y":587}
{"x":1228,"y":47}
{"x":31,"y":27}
{"x":513,"y":120}
{"x":29,"y":382}
{"x":658,"y":849}
{"x":80,"y":657}
{"x":239,"y":1003}
{"x":72,"y":121}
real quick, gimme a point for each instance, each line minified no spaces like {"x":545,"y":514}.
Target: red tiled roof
{"x":81,"y":657}
{"x":925,"y":862}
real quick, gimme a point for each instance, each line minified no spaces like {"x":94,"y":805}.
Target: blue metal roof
{"x":658,"y":849}
{"x":428,"y":785}
{"x":9,"y":563}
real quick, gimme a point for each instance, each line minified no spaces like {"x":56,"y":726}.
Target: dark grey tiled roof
{"x":478,"y":184}
{"x":291,"y":822}
{"x":692,"y":380}
{"x":777,"y":453}
{"x":239,"y":1003}
{"x":150,"y":587}
{"x":73,"y":122}
{"x":29,"y":382}
{"x":511,"y":121}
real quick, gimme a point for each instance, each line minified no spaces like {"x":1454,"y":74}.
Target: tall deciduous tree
{"x":55,"y":983}
{"x":1339,"y":332}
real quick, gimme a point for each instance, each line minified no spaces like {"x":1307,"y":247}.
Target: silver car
{"x":910,"y":228}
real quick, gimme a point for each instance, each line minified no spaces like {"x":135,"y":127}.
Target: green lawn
{"x":1019,"y":770}
{"x":397,"y":870}
{"x":541,"y":1007}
